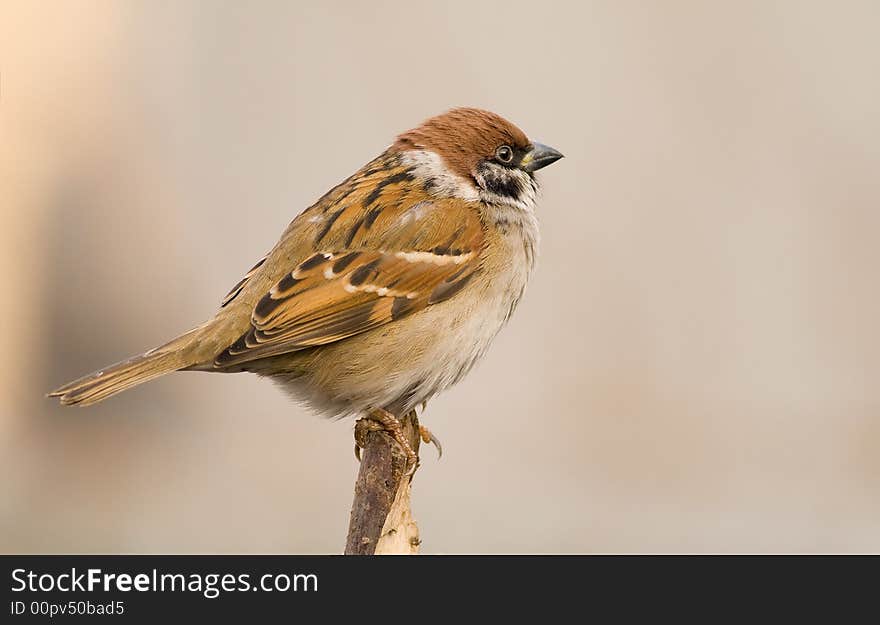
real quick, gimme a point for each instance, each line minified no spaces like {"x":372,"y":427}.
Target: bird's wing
{"x":382,"y":256}
{"x":234,"y":291}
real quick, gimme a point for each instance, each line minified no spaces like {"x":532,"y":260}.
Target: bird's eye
{"x":504,"y":154}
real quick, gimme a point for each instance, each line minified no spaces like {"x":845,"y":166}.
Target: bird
{"x":384,"y":292}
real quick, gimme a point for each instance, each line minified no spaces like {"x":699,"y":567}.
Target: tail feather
{"x":123,"y":375}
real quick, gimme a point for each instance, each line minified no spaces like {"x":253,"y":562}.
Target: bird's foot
{"x":380,"y":420}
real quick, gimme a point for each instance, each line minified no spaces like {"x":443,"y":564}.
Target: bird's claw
{"x":428,"y":437}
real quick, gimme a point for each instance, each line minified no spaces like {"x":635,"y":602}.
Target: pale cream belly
{"x":398,"y":365}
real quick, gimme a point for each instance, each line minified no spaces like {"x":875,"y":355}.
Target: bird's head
{"x":476,"y":154}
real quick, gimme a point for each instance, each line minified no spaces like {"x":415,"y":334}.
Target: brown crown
{"x":463,"y":137}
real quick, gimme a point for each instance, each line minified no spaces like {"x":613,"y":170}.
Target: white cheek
{"x":429,"y":165}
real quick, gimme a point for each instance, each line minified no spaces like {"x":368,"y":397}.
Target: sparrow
{"x":386,"y":290}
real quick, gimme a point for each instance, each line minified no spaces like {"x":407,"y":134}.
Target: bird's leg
{"x":380,"y":419}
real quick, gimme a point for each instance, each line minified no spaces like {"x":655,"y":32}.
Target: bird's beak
{"x":539,"y":156}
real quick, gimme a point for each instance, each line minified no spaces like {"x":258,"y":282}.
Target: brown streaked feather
{"x":309,"y":229}
{"x":392,"y":253}
{"x":240,"y":285}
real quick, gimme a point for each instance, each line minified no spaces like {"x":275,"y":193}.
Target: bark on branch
{"x":381,"y":520}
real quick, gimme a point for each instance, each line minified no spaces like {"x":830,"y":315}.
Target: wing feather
{"x":378,"y":252}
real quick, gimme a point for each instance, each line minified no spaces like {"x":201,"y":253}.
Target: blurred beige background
{"x":695,"y":367}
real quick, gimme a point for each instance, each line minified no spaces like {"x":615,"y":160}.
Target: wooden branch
{"x":381,"y":520}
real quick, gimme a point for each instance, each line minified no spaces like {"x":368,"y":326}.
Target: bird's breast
{"x":507,"y":262}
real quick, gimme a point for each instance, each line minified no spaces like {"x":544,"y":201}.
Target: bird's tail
{"x":102,"y":384}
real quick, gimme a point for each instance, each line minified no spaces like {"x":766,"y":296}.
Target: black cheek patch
{"x":504,"y":186}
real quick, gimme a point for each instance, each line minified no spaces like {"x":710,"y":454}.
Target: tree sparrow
{"x":384,"y":292}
